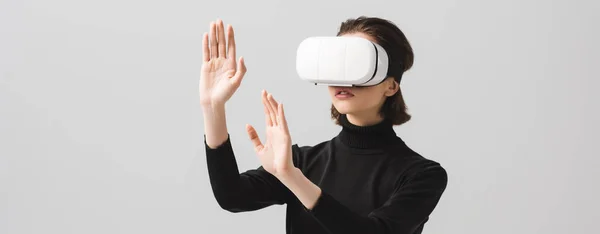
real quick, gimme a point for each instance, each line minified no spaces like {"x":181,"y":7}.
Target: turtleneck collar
{"x":367,"y":137}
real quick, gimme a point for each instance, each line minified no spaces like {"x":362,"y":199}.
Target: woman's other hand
{"x":276,"y":153}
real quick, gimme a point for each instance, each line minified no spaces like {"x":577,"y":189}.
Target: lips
{"x":343,"y":93}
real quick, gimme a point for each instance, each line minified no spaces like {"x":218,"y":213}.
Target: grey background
{"x":101,"y":131}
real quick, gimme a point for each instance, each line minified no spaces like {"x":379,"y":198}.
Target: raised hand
{"x":221,"y":75}
{"x":276,"y":153}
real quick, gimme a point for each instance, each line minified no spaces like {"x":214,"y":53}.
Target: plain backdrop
{"x":101,"y":130}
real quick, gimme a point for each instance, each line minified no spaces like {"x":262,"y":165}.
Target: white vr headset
{"x":341,"y":61}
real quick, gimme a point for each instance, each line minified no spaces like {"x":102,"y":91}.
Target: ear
{"x":391,"y":87}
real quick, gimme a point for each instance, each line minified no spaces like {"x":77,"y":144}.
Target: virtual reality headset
{"x":341,"y":61}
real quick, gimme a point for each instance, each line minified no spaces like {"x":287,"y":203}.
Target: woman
{"x":364,"y":180}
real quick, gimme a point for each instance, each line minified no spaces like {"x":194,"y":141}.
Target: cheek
{"x":331,"y":91}
{"x":370,"y":100}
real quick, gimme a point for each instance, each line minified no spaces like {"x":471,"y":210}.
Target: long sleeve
{"x":238,"y":192}
{"x":404,"y":213}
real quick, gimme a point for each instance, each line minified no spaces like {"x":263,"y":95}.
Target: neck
{"x":373,"y":135}
{"x":364,"y":119}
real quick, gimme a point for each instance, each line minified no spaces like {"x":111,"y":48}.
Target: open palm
{"x":221,"y":75}
{"x":276,"y":153}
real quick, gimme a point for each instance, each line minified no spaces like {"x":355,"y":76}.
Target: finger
{"x":274,"y":102}
{"x":230,"y":42}
{"x":272,"y":109}
{"x":267,"y":104}
{"x":274,"y":106}
{"x":205,"y":49}
{"x":283,"y":123}
{"x":268,"y":121}
{"x":221,"y":38}
{"x":213,"y":40}
{"x":254,"y":137}
{"x":240,"y":72}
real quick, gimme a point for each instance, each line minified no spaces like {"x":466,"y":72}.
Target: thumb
{"x":258,"y":146}
{"x":240,"y":72}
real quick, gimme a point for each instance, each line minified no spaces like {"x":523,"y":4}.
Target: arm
{"x":238,"y":192}
{"x":220,"y":78}
{"x":405,"y":211}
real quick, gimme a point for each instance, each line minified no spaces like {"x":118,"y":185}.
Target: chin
{"x":344,"y":108}
{"x":347,"y":105}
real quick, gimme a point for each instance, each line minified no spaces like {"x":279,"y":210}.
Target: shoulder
{"x":425,"y":172}
{"x":410,"y":166}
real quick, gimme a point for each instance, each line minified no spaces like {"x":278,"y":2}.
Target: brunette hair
{"x":400,"y":55}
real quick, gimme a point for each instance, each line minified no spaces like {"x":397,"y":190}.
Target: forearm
{"x":336,"y":217}
{"x":222,"y":167}
{"x":223,"y":173}
{"x":305,"y":190}
{"x":235,"y":192}
{"x":250,"y":190}
{"x":333,"y":215}
{"x":215,"y":124}
{"x":403,"y":213}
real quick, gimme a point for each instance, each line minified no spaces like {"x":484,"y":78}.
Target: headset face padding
{"x":341,"y":61}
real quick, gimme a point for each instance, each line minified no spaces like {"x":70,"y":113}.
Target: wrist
{"x":290,"y":175}
{"x":211,"y":107}
{"x":305,"y":190}
{"x":215,"y":127}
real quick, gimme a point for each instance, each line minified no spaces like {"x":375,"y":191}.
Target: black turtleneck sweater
{"x":371,"y":182}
